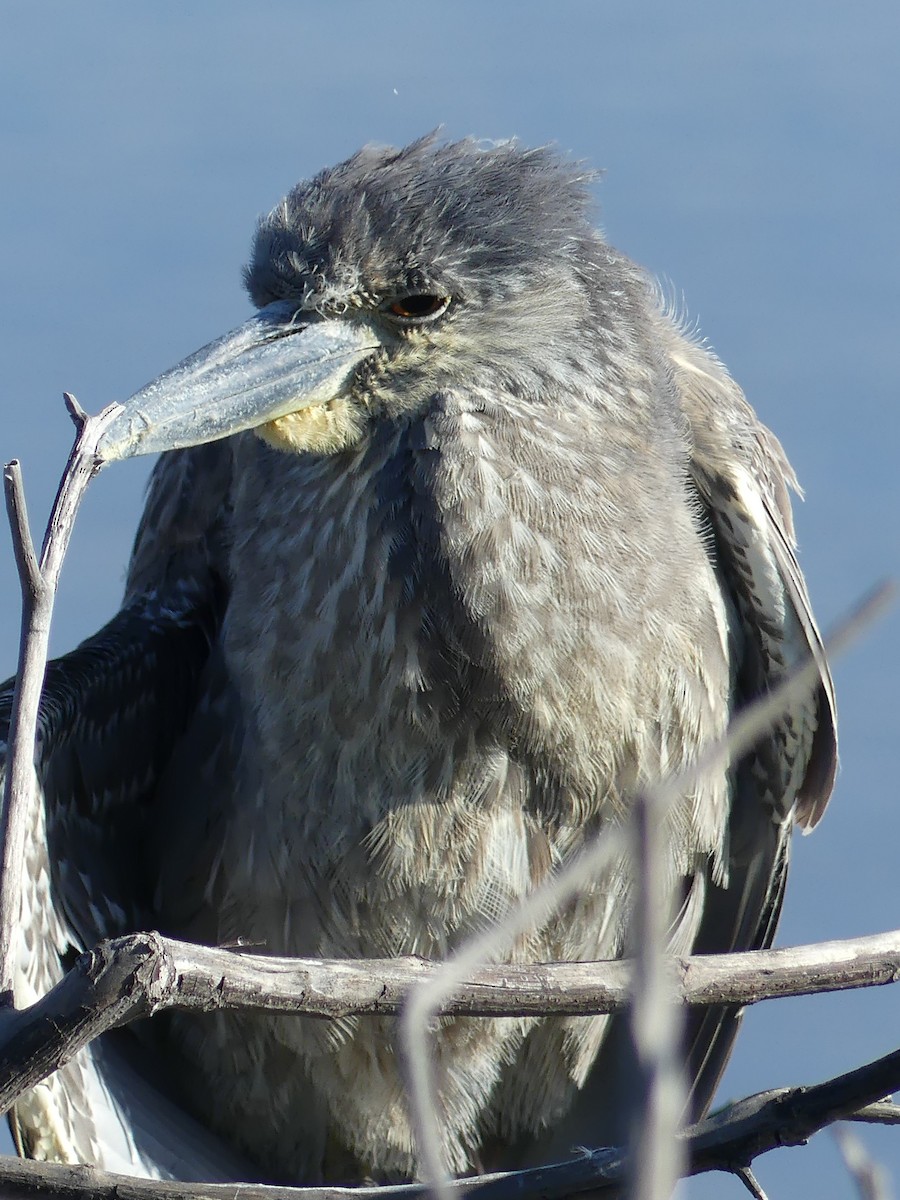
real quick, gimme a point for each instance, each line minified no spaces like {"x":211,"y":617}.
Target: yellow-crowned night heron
{"x":481,"y":544}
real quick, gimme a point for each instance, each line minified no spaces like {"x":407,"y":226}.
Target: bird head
{"x":384,"y":281}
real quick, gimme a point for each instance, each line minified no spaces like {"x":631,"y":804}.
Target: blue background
{"x":751,"y":160}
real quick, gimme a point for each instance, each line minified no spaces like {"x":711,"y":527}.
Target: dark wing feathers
{"x":821,"y":768}
{"x":110,"y":715}
{"x":114,"y":708}
{"x":743,"y":478}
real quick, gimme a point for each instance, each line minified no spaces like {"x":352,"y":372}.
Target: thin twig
{"x":660,"y":1093}
{"x":728,"y":1141}
{"x":23,"y":546}
{"x":39,"y":583}
{"x":751,"y":1183}
{"x":869,"y":1176}
{"x":883,"y":1112}
{"x":429,"y":998}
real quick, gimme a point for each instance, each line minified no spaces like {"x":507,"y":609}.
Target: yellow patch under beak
{"x":319,"y":429}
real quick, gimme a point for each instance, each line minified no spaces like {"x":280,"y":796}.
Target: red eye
{"x":418,"y":308}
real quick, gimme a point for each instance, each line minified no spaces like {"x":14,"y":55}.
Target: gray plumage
{"x":385,"y":667}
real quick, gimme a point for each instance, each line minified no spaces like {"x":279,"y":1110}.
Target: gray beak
{"x":278,"y":362}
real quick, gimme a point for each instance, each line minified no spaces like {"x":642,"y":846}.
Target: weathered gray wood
{"x":728,"y":1141}
{"x":141,"y":974}
{"x":39,"y":581}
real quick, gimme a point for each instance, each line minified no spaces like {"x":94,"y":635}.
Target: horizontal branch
{"x":728,"y":1141}
{"x":142,"y":974}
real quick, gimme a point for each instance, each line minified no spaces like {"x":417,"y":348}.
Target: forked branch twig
{"x":39,"y":579}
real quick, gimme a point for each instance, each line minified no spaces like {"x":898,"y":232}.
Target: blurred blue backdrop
{"x":751,"y":160}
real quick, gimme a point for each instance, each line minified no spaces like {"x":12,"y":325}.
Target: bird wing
{"x":111,"y":713}
{"x":742,"y":478}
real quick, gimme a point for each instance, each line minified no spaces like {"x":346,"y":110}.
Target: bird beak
{"x":279,"y":362}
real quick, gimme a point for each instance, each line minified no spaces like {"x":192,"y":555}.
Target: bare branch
{"x":728,"y":1141}
{"x":868,"y":1175}
{"x":141,"y":974}
{"x":75,"y":411}
{"x":751,"y":1183}
{"x":38,"y":593}
{"x":23,"y":546}
{"x":660,"y":1095}
{"x":440,"y":987}
{"x":83,"y":464}
{"x":883,"y":1112}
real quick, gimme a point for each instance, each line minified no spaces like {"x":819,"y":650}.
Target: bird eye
{"x":415,"y":310}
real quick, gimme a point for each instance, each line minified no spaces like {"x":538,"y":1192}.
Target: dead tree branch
{"x":728,"y":1141}
{"x":661,"y":1092}
{"x":39,"y":580}
{"x":142,"y":974}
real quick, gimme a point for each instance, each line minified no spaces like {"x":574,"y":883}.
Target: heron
{"x":453,"y":548}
